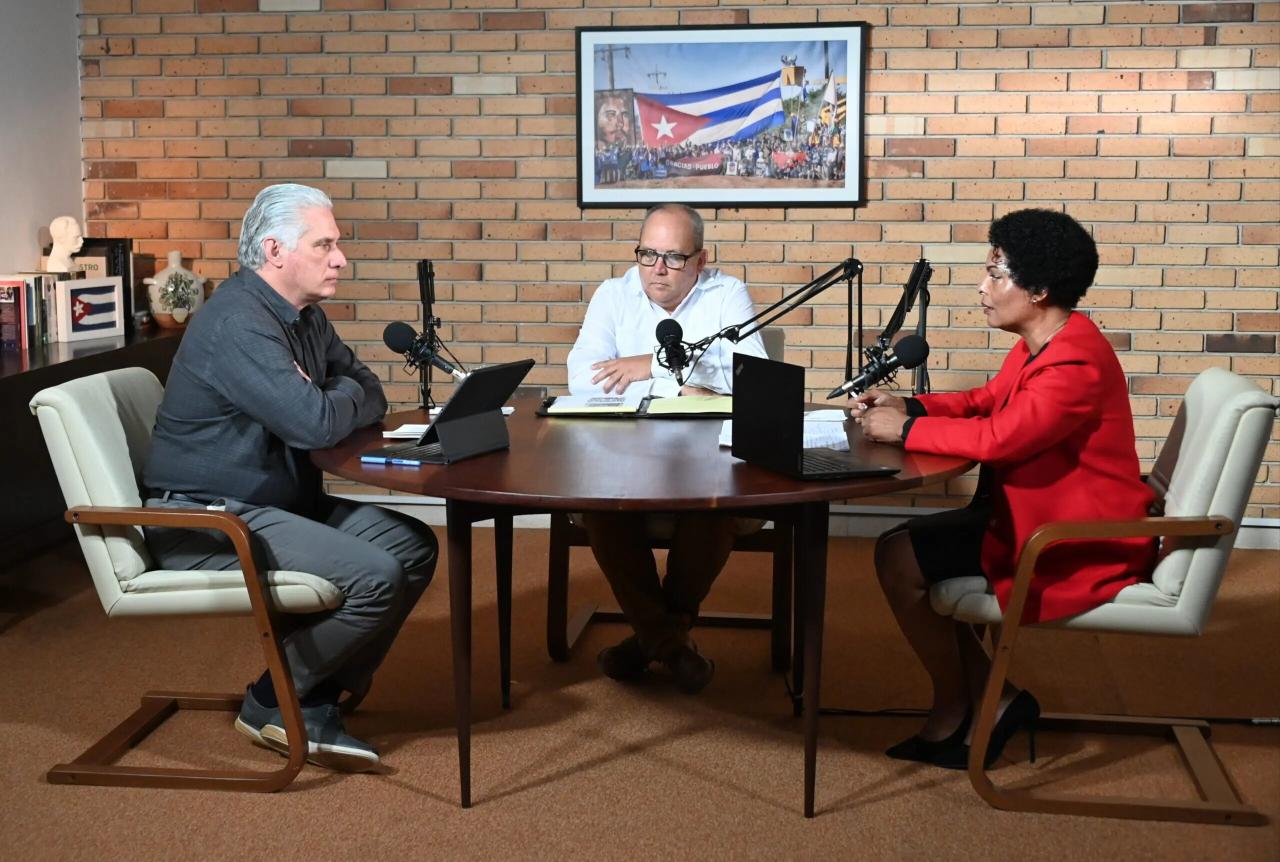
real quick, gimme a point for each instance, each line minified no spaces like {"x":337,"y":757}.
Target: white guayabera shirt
{"x":621,"y":321}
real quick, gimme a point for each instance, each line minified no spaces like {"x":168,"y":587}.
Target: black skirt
{"x":949,"y":544}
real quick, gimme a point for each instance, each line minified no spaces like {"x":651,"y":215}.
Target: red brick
{"x":1209,"y":13}
{"x":420,"y":85}
{"x":320,"y":107}
{"x":513,"y":21}
{"x":131,"y":190}
{"x":211,"y":6}
{"x":901,"y":147}
{"x":325,"y":147}
{"x":491,"y":168}
{"x":112,"y":170}
{"x":133,"y":108}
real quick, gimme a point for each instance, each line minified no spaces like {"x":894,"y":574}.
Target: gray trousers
{"x":382,"y":561}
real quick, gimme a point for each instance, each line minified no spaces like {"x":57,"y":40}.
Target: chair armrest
{"x":1059,"y":531}
{"x":138,"y":516}
{"x":233,"y":526}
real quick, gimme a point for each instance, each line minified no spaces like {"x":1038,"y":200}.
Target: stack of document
{"x":823,"y":429}
{"x":628,"y":402}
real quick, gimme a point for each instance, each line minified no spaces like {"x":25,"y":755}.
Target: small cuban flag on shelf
{"x":93,"y":308}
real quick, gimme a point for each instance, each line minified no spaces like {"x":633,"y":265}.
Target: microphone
{"x":418,"y":349}
{"x":672,"y":353}
{"x":907,"y":353}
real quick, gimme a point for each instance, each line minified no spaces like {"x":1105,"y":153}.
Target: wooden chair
{"x":1203,"y":478}
{"x":98,"y":430}
{"x":563,"y":631}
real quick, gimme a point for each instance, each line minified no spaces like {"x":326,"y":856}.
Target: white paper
{"x":413,"y":432}
{"x":828,"y":415}
{"x":822,"y":434}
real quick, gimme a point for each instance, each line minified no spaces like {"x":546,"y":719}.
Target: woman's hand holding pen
{"x":881,"y":415}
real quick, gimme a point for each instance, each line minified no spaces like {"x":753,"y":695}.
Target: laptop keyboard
{"x":822,"y":462}
{"x":429,"y":452}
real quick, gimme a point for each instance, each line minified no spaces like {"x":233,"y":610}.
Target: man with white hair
{"x":259,"y":380}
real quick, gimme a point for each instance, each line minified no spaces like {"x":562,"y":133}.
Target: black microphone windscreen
{"x":911,"y":350}
{"x":668,"y":330}
{"x":399,"y":336}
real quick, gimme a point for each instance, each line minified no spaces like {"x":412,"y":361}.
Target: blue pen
{"x":374,"y":459}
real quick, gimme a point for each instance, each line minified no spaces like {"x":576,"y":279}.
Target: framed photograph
{"x":90,"y":308}
{"x":119,"y":262}
{"x":752,"y":116}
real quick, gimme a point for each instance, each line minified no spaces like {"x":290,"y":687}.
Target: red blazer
{"x":1057,"y":434}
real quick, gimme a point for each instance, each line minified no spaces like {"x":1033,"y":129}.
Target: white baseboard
{"x":866,"y":521}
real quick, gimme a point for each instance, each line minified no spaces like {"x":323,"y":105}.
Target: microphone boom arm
{"x":846,"y":270}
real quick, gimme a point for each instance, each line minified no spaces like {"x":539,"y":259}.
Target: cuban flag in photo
{"x":93,"y":308}
{"x":735,"y":112}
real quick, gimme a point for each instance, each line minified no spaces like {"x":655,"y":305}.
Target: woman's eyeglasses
{"x":672,"y":259}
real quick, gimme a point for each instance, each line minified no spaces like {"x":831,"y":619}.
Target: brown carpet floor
{"x":585,"y":768}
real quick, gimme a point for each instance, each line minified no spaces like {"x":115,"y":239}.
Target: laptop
{"x":469,"y":424}
{"x":768,"y":425}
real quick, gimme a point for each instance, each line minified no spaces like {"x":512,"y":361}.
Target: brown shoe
{"x":625,"y":661}
{"x":691,"y":670}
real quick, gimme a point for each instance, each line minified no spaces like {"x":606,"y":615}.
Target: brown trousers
{"x":662,"y":612}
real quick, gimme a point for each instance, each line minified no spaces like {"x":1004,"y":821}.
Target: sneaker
{"x":254,"y":716}
{"x":625,"y":661}
{"x":328,"y":743}
{"x":691,"y":670}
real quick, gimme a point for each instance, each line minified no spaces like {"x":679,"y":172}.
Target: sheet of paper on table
{"x":628,"y":402}
{"x":413,"y":432}
{"x":823,"y":433}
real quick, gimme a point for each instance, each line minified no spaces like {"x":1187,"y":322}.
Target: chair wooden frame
{"x":1220,"y":802}
{"x":97,"y":765}
{"x":563,"y":631}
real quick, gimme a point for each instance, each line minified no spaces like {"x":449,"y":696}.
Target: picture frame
{"x":90,"y":308}
{"x":119,"y":257}
{"x":721,"y":116}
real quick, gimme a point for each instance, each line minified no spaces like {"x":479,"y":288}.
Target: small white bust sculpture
{"x":67,"y":240}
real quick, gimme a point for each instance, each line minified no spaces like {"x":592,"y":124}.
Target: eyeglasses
{"x":673,"y":259}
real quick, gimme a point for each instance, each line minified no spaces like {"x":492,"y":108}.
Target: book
{"x":93,"y":266}
{"x":39,"y":306}
{"x":12,"y":327}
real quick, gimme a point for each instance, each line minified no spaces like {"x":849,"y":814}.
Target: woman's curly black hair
{"x":1047,"y":250}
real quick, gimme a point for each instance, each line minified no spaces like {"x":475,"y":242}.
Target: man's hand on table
{"x":615,"y":375}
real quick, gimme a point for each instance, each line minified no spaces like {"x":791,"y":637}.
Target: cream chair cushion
{"x":98,"y":430}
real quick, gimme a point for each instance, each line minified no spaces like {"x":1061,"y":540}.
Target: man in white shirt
{"x":614,"y":350}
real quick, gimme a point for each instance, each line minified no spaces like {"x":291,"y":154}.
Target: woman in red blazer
{"x":1054,"y":433}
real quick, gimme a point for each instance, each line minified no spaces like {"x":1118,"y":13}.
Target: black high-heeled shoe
{"x":923,"y":750}
{"x":1022,"y":711}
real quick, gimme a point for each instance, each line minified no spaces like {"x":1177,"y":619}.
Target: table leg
{"x":811,"y":563}
{"x":502,"y":560}
{"x":459,"y":533}
{"x":799,"y":584}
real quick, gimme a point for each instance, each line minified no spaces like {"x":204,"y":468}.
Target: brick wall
{"x":445,"y":129}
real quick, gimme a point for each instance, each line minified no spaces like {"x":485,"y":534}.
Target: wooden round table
{"x":613,"y":464}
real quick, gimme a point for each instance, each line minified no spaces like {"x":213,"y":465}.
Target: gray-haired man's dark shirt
{"x":237,"y":419}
